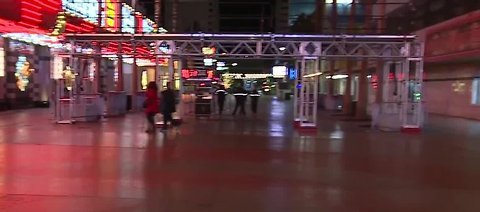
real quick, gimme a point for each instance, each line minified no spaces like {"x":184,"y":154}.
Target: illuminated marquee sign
{"x":128,"y":19}
{"x":110,"y":15}
{"x":87,"y":9}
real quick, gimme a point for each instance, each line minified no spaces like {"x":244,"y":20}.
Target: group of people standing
{"x":154,"y":104}
{"x":240,"y":95}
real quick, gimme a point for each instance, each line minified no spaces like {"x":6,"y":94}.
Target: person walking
{"x":254,"y":96}
{"x":240,"y":98}
{"x":151,"y":105}
{"x":221,"y":94}
{"x":168,"y":105}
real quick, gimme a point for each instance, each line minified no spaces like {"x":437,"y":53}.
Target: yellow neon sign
{"x":110,"y":14}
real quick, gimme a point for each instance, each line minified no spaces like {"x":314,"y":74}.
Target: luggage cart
{"x":203,"y":106}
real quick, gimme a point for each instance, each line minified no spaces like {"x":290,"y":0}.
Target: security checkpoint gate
{"x":307,"y":49}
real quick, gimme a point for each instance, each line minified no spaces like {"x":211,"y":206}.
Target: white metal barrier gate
{"x":402,"y":101}
{"x":308,"y":93}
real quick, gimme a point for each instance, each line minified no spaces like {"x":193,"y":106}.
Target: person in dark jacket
{"x":221,"y":94}
{"x":168,"y":105}
{"x":151,"y":105}
{"x":240,"y":98}
{"x":254,"y":96}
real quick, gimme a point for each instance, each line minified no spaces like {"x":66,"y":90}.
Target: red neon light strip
{"x":31,"y":12}
{"x":74,"y":28}
{"x":12,"y":27}
{"x":52,"y":5}
{"x":26,"y":2}
{"x":28,"y":25}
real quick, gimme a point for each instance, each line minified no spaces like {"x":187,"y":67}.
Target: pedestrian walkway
{"x":226,"y":164}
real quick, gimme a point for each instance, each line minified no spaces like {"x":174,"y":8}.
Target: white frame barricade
{"x":64,"y":101}
{"x":401,"y":107}
{"x":296,"y":102}
{"x":387,"y":48}
{"x":309,"y":93}
{"x":64,"y":104}
{"x":413,"y":111}
{"x":79,"y":102}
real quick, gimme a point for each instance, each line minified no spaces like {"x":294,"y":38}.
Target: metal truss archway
{"x":257,"y":45}
{"x":307,"y":50}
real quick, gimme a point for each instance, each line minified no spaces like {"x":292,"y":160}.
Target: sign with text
{"x":189,"y":73}
{"x":454,"y":39}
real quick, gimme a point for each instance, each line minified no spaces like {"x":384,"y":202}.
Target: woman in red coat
{"x":152,"y":105}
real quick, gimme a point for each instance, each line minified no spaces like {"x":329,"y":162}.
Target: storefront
{"x":25,"y":52}
{"x":29,"y":45}
{"x":452,"y":56}
{"x":26,"y":71}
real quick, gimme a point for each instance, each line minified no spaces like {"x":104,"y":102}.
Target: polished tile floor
{"x":253,"y":163}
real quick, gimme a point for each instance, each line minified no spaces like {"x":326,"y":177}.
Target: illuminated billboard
{"x":87,"y":9}
{"x":279,"y":71}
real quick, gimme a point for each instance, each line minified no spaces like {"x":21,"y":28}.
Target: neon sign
{"x":87,"y":9}
{"x":39,"y":39}
{"x":147,"y":26}
{"x":208,"y":50}
{"x":110,"y":20}
{"x":188,"y":73}
{"x":22,"y":72}
{"x":292,"y":74}
{"x":128,"y":20}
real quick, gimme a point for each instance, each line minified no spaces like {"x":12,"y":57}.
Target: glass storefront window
{"x":339,"y":86}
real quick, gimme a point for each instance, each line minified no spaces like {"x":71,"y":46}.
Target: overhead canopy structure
{"x":257,"y":45}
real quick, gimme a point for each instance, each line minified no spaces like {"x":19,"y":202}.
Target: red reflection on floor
{"x":253,"y":163}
